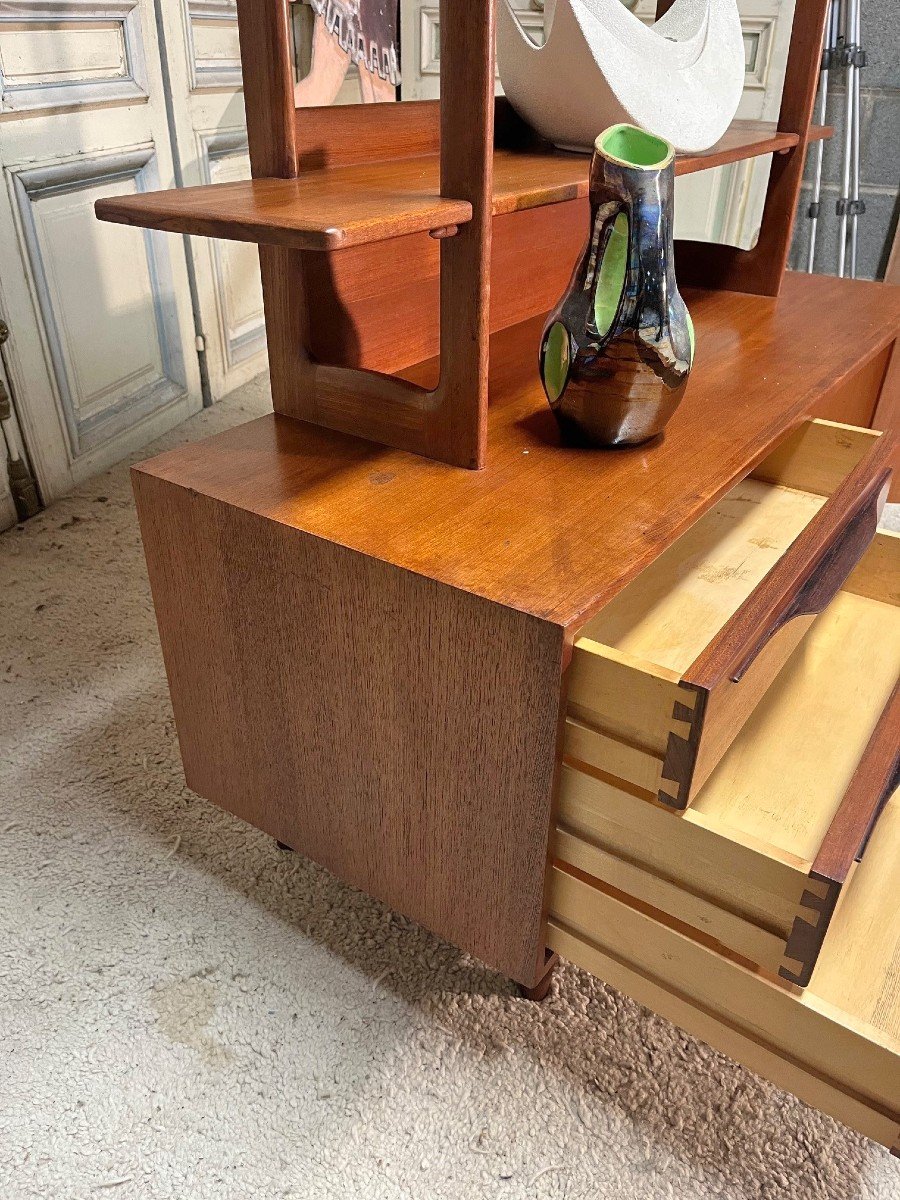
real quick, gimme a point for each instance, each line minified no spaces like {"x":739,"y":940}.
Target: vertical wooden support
{"x":450,"y":422}
{"x":264,"y":35}
{"x":760,"y":271}
{"x":467,"y":173}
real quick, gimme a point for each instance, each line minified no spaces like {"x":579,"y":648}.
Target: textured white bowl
{"x":680,"y":79}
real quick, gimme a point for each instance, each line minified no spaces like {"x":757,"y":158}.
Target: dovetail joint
{"x":807,"y":936}
{"x":681,"y":753}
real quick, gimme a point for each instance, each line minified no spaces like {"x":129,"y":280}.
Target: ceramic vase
{"x":617,"y":351}
{"x":680,"y":78}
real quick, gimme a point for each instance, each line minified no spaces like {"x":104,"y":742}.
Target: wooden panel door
{"x":101,"y":355}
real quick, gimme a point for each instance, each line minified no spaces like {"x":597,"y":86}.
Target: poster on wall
{"x":347,"y":51}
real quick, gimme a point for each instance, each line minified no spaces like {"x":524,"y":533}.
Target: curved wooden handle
{"x":821,"y":577}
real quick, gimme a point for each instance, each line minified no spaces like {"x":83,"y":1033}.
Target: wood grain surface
{"x":874,"y":781}
{"x":446,"y":419}
{"x":835,"y":1044}
{"x":398,"y":731}
{"x":887,"y":410}
{"x":550,"y":531}
{"x":268,"y":87}
{"x":457,"y":431}
{"x":788,"y":772}
{"x":357,"y":203}
{"x":760,"y":862}
{"x":324,"y":210}
{"x":810,"y":575}
{"x":732,"y":672}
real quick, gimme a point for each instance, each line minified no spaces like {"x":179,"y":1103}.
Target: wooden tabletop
{"x":549,"y":531}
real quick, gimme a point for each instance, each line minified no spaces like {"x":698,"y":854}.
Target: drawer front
{"x":760,"y":861}
{"x":674,"y":666}
{"x":836,"y":1044}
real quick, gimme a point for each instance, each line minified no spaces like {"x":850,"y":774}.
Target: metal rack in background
{"x":842,"y":51}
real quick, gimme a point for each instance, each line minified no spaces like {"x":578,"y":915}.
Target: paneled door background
{"x":101,"y":354}
{"x":420,"y":39}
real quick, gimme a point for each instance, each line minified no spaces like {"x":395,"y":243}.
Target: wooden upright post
{"x":467,"y":173}
{"x":264,"y":34}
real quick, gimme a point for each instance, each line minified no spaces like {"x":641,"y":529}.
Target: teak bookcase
{"x":337,"y":199}
{"x":638,"y":708}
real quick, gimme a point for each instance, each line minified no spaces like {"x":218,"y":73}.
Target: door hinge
{"x":200,"y":343}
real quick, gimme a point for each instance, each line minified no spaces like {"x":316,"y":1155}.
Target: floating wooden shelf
{"x":333,"y":209}
{"x":322,"y":210}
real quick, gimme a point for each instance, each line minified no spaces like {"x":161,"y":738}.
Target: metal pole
{"x":856,"y":205}
{"x":843,"y":202}
{"x":830,"y":39}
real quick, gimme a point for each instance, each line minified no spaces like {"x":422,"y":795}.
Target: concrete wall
{"x":880,"y":152}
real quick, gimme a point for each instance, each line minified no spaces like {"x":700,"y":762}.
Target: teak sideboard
{"x":636,"y":708}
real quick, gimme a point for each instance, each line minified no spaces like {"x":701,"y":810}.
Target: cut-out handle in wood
{"x":809,"y":593}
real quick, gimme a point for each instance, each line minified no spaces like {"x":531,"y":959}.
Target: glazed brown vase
{"x":616,"y":352}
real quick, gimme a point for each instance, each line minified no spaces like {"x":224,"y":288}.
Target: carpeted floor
{"x":186,"y":1012}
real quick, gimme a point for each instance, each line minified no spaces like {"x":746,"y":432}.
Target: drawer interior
{"x":783,"y":778}
{"x":671,"y":612}
{"x":836,"y":1044}
{"x":739,"y":865}
{"x":671,"y":668}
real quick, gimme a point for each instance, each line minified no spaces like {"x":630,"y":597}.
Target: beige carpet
{"x":187,"y":1013}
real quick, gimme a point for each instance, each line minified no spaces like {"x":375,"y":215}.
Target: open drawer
{"x":836,"y":1045}
{"x":668,"y":672}
{"x":763,"y":856}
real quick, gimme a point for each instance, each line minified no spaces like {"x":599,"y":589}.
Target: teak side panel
{"x":395,"y":730}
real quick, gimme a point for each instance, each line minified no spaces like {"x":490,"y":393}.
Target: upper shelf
{"x":322,"y":210}
{"x":530,"y":178}
{"x":332,"y":209}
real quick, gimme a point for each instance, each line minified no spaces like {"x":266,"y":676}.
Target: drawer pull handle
{"x":831,"y":568}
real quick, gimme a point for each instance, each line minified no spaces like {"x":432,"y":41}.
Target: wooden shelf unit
{"x":343,"y":201}
{"x":370,"y":650}
{"x":335,"y":208}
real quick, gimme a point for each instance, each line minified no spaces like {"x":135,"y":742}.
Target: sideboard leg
{"x":539,"y":991}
